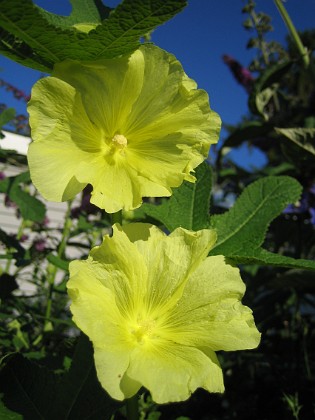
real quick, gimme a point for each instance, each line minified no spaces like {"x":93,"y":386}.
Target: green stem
{"x":262,"y":43}
{"x":52,"y":269}
{"x":287,"y":20}
{"x":132,"y":408}
{"x":117,"y":217}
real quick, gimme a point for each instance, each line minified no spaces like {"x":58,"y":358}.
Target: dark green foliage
{"x":30,"y":207}
{"x":37,"y":392}
{"x":6,"y":116}
{"x":39,"y":39}
{"x":7,"y":285}
{"x":189,"y":204}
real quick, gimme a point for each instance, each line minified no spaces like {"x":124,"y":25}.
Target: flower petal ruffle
{"x":146,"y":99}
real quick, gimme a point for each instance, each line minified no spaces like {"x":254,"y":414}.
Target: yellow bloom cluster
{"x":156,"y":307}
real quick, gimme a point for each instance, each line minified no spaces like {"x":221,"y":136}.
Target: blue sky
{"x":198,"y":36}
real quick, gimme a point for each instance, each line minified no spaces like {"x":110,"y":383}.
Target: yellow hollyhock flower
{"x":157,"y":308}
{"x":132,"y":127}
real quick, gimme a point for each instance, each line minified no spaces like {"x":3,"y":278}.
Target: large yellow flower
{"x":133,"y":127}
{"x":157,"y":308}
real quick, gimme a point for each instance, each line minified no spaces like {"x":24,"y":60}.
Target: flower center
{"x":143,"y":330}
{"x":119,"y":141}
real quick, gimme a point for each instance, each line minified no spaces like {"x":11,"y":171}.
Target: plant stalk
{"x":52,"y":269}
{"x":291,"y":28}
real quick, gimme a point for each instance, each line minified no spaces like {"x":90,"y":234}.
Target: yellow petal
{"x":172,"y":373}
{"x":210,"y":312}
{"x":60,"y":144}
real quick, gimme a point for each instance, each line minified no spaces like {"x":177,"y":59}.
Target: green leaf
{"x":35,"y":39}
{"x":38,"y":393}
{"x":10,"y":242}
{"x":263,"y":98}
{"x":6,"y":116}
{"x":7,"y":286}
{"x":58,"y":262}
{"x":6,"y":414}
{"x":189,"y":204}
{"x":241,"y":230}
{"x":263,"y":257}
{"x":303,"y":137}
{"x":30,"y":207}
{"x":247,"y":131}
{"x":80,"y":395}
{"x":4,"y":185}
{"x":269,"y":77}
{"x":27,"y":387}
{"x":85,"y":12}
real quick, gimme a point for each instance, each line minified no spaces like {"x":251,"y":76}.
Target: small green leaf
{"x":10,"y":242}
{"x":6,"y":116}
{"x":303,"y":137}
{"x":58,"y":262}
{"x":189,"y":204}
{"x":7,"y":285}
{"x":6,"y":414}
{"x":263,"y":98}
{"x":30,"y":207}
{"x":269,"y":77}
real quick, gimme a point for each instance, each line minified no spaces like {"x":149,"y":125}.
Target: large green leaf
{"x":37,"y":39}
{"x":242,"y":230}
{"x":188,"y":207}
{"x":80,"y":395}
{"x":27,"y":387}
{"x":38,"y":393}
{"x":86,"y":12}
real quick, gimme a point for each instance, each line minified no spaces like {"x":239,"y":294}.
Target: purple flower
{"x":241,"y":74}
{"x":24,"y":238}
{"x":39,"y":244}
